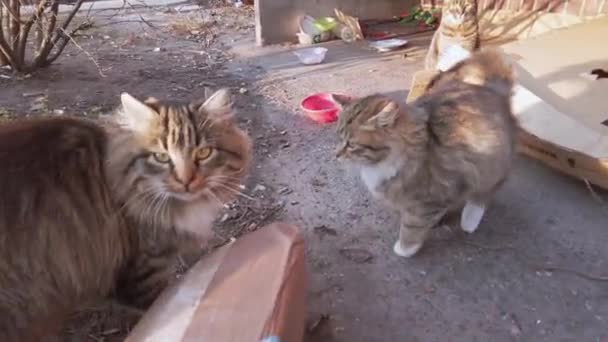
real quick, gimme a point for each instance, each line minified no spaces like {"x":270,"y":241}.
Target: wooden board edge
{"x":573,"y":163}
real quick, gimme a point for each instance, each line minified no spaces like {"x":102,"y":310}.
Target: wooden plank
{"x":249,"y":290}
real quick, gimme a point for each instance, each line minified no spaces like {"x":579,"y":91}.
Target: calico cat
{"x":88,"y":213}
{"x":451,"y":148}
{"x":459,"y":26}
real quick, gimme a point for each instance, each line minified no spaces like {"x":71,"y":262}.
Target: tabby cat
{"x":88,"y":212}
{"x":451,"y":148}
{"x":458,"y":26}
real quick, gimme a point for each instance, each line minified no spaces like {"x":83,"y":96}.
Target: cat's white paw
{"x":471,"y":216}
{"x":406,"y":252}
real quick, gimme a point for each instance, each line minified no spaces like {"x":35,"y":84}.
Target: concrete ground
{"x":536,"y":270}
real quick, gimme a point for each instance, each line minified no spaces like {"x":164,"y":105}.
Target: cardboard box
{"x":251,"y":290}
{"x":561,"y":106}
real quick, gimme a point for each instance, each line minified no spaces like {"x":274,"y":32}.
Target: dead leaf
{"x":357,"y":255}
{"x":323,"y":230}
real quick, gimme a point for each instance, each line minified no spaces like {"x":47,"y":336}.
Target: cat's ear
{"x":386,"y":117}
{"x":341,"y":100}
{"x":218,"y":106}
{"x":135,"y":115}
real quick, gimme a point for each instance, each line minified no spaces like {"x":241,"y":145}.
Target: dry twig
{"x":594,"y":194}
{"x":88,"y":54}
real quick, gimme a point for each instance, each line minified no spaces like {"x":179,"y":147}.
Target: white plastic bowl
{"x":314,"y":55}
{"x":388,"y":44}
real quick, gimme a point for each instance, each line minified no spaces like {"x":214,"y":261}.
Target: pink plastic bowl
{"x":320,"y":108}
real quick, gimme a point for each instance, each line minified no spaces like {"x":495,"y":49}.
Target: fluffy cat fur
{"x":459,"y":26}
{"x":88,"y":213}
{"x":451,"y":148}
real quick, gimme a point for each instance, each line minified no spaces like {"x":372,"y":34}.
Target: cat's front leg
{"x":146,"y":275}
{"x":415,"y":226}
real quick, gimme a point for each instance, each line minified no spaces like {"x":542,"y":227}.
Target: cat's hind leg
{"x":415,"y":226}
{"x":471,"y":216}
{"x":475,"y":207}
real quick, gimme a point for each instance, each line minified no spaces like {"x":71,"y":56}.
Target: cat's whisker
{"x":225,"y":177}
{"x":215,"y":197}
{"x":141,"y":196}
{"x":159,"y":208}
{"x":154,"y":209}
{"x":233,"y":190}
{"x":148,"y":213}
{"x":222,"y":179}
{"x":162,"y":206}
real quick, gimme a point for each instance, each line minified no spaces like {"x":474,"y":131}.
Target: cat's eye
{"x":204,"y":153}
{"x":162,"y":158}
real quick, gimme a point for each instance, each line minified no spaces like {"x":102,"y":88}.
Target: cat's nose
{"x":184,"y":175}
{"x":196,"y":183}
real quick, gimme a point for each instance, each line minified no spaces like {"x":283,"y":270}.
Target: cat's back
{"x":471,"y":127}
{"x":59,"y":233}
{"x":457,"y":106}
{"x":43,"y":158}
{"x":43,"y":139}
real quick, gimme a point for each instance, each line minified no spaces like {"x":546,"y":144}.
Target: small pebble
{"x":224,"y":218}
{"x":259,"y":187}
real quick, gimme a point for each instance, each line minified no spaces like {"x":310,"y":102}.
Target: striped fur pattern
{"x":454,"y":145}
{"x":174,"y":166}
{"x":90,"y":212}
{"x":459,"y":26}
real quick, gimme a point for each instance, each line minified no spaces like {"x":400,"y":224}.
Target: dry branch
{"x":50,"y":39}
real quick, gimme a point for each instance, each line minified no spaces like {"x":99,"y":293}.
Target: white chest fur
{"x":197,"y":219}
{"x":374,"y":176}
